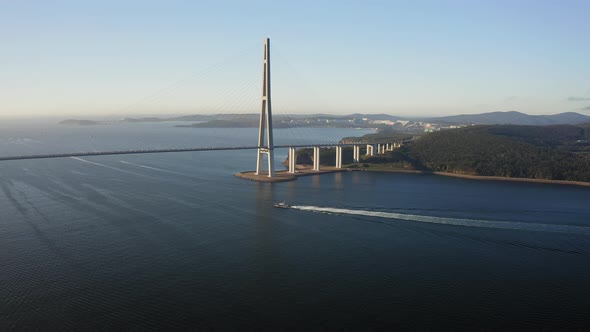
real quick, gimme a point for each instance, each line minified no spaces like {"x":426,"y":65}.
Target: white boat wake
{"x":149,"y":167}
{"x":106,"y":166}
{"x":512,"y":225}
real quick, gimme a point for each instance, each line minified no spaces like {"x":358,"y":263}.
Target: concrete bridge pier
{"x":292,"y":159}
{"x":338,"y":157}
{"x":356,"y":153}
{"x":370,"y":150}
{"x":316,"y":158}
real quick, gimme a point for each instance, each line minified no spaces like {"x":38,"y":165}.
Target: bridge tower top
{"x":265,"y":126}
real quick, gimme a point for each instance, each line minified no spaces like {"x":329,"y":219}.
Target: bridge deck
{"x":110,"y":153}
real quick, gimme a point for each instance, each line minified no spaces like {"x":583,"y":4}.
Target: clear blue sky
{"x":398,"y":57}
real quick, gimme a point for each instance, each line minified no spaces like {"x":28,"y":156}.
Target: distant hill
{"x":515,"y":118}
{"x":75,"y":122}
{"x":375,"y":116}
{"x":389,"y":136}
{"x":221,"y":124}
{"x":512,"y":117}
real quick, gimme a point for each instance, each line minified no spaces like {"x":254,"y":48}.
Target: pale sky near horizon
{"x":421,"y":58}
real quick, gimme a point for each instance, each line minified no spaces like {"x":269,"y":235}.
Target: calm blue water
{"x":174,"y":241}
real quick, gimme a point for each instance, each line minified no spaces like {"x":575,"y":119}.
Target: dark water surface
{"x":174,"y":241}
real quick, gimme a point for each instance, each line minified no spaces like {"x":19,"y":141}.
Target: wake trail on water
{"x":512,"y":225}
{"x":106,"y":166}
{"x":152,"y":168}
{"x":163,"y":170}
{"x":460,"y":210}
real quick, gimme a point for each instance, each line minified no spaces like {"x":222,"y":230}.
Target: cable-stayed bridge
{"x":241,"y":100}
{"x":377,"y":146}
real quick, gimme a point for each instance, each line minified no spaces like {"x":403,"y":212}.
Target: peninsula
{"x":558,"y":154}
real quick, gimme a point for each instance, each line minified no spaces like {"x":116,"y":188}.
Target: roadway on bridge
{"x":124,"y":152}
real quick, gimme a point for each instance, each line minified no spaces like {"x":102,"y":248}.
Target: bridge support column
{"x":316,"y":158}
{"x":370,"y":150}
{"x":356,"y":153}
{"x":338,"y":157}
{"x":292,"y":159}
{"x":379,"y":148}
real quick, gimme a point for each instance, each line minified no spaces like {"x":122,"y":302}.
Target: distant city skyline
{"x":419,"y":58}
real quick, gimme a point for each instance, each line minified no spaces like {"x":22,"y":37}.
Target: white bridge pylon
{"x":265,"y":118}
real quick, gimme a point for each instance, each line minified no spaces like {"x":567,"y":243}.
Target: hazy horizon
{"x":114,"y":117}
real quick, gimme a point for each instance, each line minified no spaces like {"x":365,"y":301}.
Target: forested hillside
{"x":539,"y":152}
{"x":511,"y":151}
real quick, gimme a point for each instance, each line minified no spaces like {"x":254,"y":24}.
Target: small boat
{"x":282,"y":205}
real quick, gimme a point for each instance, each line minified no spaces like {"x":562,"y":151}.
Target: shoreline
{"x":482,"y":177}
{"x":305,"y":170}
{"x":283,"y":175}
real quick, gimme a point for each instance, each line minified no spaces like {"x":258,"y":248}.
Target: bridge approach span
{"x":125,"y":152}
